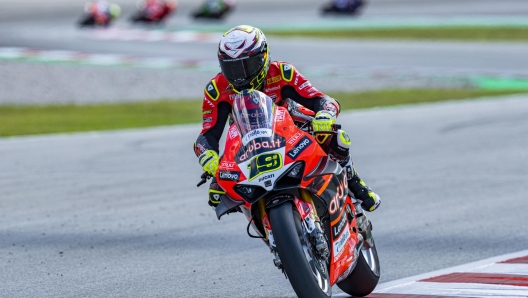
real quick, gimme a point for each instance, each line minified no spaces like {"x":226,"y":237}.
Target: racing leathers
{"x":283,"y":84}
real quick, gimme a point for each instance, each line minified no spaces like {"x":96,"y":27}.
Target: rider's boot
{"x":339,"y":149}
{"x":370,"y":201}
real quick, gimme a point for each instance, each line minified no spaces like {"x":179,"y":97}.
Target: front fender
{"x":278,"y":200}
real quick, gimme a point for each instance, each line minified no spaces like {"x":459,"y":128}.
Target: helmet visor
{"x":240,"y":71}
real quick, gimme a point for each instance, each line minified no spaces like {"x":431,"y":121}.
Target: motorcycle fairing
{"x":263,"y":161}
{"x":226,"y":204}
{"x":326,"y":181}
{"x":332,"y":189}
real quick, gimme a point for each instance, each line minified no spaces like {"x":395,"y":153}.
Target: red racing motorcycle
{"x":296,"y":199}
{"x":153,"y":11}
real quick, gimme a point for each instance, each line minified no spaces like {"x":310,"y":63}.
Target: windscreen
{"x":253,"y":114}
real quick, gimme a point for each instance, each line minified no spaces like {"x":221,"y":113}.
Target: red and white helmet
{"x":244,"y":57}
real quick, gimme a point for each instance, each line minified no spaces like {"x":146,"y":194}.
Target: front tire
{"x":308,"y":275}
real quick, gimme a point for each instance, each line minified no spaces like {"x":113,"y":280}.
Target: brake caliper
{"x":316,"y":232}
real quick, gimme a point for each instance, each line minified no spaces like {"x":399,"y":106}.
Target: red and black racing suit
{"x":282,"y":81}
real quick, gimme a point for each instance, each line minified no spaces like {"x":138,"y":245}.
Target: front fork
{"x":310,"y":221}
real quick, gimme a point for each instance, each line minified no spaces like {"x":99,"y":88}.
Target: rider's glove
{"x":215,"y":194}
{"x":323,"y":121}
{"x":209,"y":162}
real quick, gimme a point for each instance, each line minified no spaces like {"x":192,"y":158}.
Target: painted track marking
{"x":503,"y":276}
{"x":123,"y":34}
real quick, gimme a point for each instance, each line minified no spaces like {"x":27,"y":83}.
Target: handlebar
{"x":204,"y":177}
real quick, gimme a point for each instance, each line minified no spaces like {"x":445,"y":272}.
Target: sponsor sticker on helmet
{"x":257,"y":133}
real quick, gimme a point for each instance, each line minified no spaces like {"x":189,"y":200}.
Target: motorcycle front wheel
{"x":308,"y":274}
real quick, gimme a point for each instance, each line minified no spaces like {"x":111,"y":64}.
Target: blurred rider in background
{"x":214,"y":9}
{"x":103,"y":12}
{"x":157,"y":9}
{"x":245,"y":64}
{"x":343,"y":6}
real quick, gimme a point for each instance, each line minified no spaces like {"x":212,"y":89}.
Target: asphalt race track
{"x":118,"y":214}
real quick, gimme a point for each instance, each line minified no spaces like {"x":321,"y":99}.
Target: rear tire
{"x":294,"y":252}
{"x":362,"y":281}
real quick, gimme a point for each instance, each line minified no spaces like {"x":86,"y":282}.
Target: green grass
{"x":25,"y":120}
{"x":28,"y":120}
{"x":431,"y":33}
{"x":390,"y":97}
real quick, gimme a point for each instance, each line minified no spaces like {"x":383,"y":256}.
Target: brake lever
{"x":204,"y":177}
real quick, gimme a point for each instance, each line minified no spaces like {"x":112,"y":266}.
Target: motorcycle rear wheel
{"x":365,"y":276}
{"x":308,"y":274}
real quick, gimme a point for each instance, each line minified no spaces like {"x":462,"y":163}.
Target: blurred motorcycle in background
{"x":99,"y":13}
{"x":153,"y":11}
{"x":343,"y":7}
{"x":214,"y":9}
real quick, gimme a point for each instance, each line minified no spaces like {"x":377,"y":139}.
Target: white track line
{"x":46,"y":56}
{"x":152,"y":35}
{"x":518,"y":269}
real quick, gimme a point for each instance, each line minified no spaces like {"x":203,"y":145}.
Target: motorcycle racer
{"x":214,"y":9}
{"x":343,"y":6}
{"x":244,"y":59}
{"x":154,"y":10}
{"x":101,"y":13}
